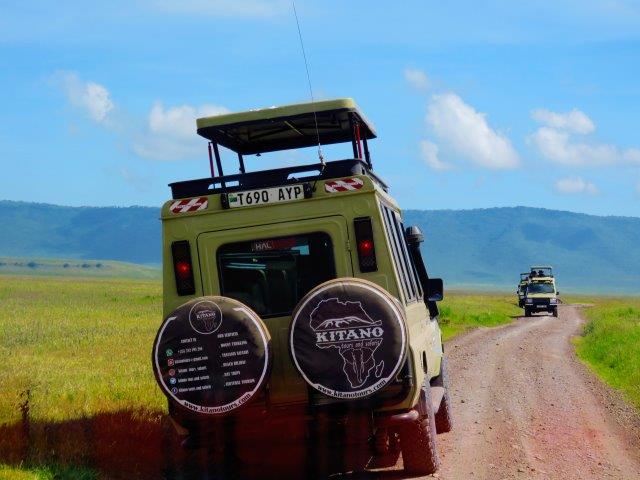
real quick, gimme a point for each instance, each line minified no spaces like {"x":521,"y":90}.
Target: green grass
{"x":610,"y":343}
{"x":52,"y":472}
{"x":76,"y":268}
{"x":461,"y":311}
{"x":77,"y":347}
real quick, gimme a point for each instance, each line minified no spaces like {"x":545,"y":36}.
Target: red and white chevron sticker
{"x":189,"y":205}
{"x":344,"y":185}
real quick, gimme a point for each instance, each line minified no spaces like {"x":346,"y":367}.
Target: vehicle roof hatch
{"x":287,"y":127}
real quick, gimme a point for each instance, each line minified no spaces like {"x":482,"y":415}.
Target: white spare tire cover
{"x":348,"y":338}
{"x":212,"y":355}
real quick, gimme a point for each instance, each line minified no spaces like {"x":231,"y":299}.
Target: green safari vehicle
{"x":522,"y":288}
{"x":295,"y":299}
{"x":541,"y":294}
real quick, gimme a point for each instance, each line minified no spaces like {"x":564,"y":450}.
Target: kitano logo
{"x":205,"y":317}
{"x":347,"y":335}
{"x":347,"y":328}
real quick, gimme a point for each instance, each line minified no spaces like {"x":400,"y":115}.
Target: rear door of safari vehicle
{"x":270,"y":268}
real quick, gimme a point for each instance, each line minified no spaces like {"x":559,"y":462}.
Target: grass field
{"x":77,"y":348}
{"x":610,"y":344}
{"x":461,"y":311}
{"x":47,"y":473}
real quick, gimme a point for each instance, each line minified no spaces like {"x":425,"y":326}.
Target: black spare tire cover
{"x":348,"y":338}
{"x":212,"y":355}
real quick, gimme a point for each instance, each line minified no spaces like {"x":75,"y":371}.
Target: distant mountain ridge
{"x":492,"y":246}
{"x":482,"y":247}
{"x":129,"y":234}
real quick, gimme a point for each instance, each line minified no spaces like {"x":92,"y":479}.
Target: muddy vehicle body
{"x":296,"y":300}
{"x":541,"y":294}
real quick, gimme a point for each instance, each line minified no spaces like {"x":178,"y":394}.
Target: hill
{"x":130,"y":234}
{"x":491,"y":246}
{"x":481,"y":248}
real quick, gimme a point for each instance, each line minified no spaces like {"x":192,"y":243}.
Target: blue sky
{"x":476,"y":104}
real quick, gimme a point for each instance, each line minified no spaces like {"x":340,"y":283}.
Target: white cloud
{"x":466,"y":131}
{"x":555,"y":141}
{"x":429,"y":151}
{"x":575,"y":186}
{"x":224,"y":8}
{"x":574,"y":121}
{"x":91,"y":97}
{"x":558,"y":147}
{"x":416,"y":78}
{"x":171,"y":133}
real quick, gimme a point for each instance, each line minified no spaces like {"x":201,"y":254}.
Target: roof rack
{"x":273,"y":178}
{"x":283,"y":128}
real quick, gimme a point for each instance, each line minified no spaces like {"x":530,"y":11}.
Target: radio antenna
{"x":306,"y":66}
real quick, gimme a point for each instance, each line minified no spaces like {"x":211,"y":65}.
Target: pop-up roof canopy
{"x":291,"y":126}
{"x":547,"y":270}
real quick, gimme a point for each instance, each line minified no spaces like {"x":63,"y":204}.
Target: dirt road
{"x":526,"y":408}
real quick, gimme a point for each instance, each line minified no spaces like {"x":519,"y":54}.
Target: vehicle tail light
{"x":182,"y":267}
{"x":366,"y":245}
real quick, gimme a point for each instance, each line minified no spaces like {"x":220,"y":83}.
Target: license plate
{"x":263,"y":196}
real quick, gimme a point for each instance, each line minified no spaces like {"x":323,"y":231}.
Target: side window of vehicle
{"x":413,"y":276}
{"x":401,"y":259}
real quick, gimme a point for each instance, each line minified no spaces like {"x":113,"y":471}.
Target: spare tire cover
{"x":212,"y":355}
{"x":348,"y":338}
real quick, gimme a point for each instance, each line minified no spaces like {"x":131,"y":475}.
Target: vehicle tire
{"x":444,"y":416}
{"x":418,"y":443}
{"x":527,"y":312}
{"x":196,"y":358}
{"x":555,"y":312}
{"x":348,"y":338}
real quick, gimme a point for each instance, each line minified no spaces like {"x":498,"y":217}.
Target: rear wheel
{"x":443,"y":417}
{"x":418,"y":442}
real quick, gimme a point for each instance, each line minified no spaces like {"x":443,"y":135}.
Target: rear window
{"x":271,"y":275}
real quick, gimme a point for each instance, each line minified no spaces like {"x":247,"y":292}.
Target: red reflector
{"x":365,"y":247}
{"x":183,"y":269}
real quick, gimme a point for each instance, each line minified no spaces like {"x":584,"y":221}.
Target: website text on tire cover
{"x":296,"y":293}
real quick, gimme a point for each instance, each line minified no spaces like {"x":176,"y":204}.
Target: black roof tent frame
{"x":277,"y":177}
{"x":272,"y":178}
{"x":358,"y":143}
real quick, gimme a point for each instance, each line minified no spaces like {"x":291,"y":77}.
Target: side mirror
{"x":557,"y":293}
{"x":435,"y":289}
{"x":413,"y":235}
